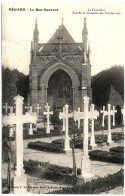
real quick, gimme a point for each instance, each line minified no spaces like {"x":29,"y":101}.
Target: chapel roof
{"x":66,"y":37}
{"x":68,"y":45}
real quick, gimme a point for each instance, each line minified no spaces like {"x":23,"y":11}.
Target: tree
{"x":73,"y":132}
{"x":9,"y":89}
{"x":6,"y":152}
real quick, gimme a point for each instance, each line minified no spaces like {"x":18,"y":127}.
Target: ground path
{"x":98,"y":168}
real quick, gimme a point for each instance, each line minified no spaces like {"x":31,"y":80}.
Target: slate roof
{"x":68,"y":45}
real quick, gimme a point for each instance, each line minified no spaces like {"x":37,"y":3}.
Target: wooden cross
{"x":6,"y":107}
{"x":65,"y":115}
{"x":47,"y":113}
{"x":18,"y":119}
{"x":109,"y":113}
{"x":37,"y":109}
{"x":94,"y":115}
{"x":85,"y":164}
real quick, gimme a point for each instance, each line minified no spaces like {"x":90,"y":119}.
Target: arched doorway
{"x":60,"y":90}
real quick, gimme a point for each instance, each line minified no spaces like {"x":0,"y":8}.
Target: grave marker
{"x":6,"y":107}
{"x":18,"y":119}
{"x":65,"y":115}
{"x":47,"y":113}
{"x":37,"y":109}
{"x":85,"y":163}
{"x":79,"y":120}
{"x":64,"y":123}
{"x":109,"y":113}
{"x":94,"y":115}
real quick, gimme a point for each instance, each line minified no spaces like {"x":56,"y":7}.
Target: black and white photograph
{"x":62,"y":85}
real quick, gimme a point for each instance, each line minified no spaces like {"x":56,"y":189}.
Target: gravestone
{"x":109,"y":113}
{"x":20,"y":181}
{"x":94,"y":114}
{"x":6,"y":107}
{"x":65,"y":115}
{"x":37,"y":109}
{"x":47,"y":113}
{"x":85,"y":162}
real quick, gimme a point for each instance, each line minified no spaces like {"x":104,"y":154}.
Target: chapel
{"x":60,"y":70}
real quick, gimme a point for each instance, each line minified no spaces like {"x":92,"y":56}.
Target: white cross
{"x":95,"y":114}
{"x":31,"y":129}
{"x":64,"y":120}
{"x":11,"y":109}
{"x":85,"y":164}
{"x":65,"y":115}
{"x":123,"y":114}
{"x":47,"y":113}
{"x":37,"y":109}
{"x":78,"y":119}
{"x":122,"y":111}
{"x":18,"y":119}
{"x":29,"y":109}
{"x":6,"y":107}
{"x":109,"y":113}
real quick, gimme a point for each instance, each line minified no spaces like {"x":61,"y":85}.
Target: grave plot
{"x":66,"y":168}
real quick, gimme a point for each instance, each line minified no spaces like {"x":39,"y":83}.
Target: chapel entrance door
{"x":60,"y":91}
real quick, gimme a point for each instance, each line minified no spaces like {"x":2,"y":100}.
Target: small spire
{"x":31,"y":46}
{"x":62,"y":19}
{"x":89,"y":47}
{"x":36,"y":23}
{"x":85,"y":21}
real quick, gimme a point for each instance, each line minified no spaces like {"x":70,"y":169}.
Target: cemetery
{"x":73,"y":175}
{"x":62,"y":128}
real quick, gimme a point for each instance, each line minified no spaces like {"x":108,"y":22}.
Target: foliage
{"x":118,"y":149}
{"x":102,"y":82}
{"x":9,"y":89}
{"x":40,"y":133}
{"x":96,"y":186}
{"x":50,"y":171}
{"x":55,"y":118}
{"x":6,"y":145}
{"x":50,"y":147}
{"x":13,"y":83}
{"x":112,"y":157}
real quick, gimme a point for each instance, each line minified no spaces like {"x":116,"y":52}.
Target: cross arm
{"x":78,"y":115}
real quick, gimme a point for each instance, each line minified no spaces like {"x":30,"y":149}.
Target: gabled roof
{"x":66,"y":37}
{"x":68,"y":45}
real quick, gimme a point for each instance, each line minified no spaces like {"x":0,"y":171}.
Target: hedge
{"x":45,"y":146}
{"x":50,"y":171}
{"x":96,"y":186}
{"x":112,"y":157}
{"x":118,"y":149}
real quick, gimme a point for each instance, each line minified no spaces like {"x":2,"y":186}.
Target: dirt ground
{"x":97,"y":168}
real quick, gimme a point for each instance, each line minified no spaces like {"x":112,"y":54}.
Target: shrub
{"x":50,"y":171}
{"x":100,"y":155}
{"x":118,"y":149}
{"x":96,"y":186}
{"x":55,"y":118}
{"x":50,"y":147}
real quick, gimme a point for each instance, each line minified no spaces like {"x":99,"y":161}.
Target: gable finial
{"x":36,"y":23}
{"x":62,"y":19}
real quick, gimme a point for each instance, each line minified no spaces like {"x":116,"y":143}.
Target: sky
{"x":105,"y":31}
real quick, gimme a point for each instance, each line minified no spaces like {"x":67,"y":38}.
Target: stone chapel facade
{"x":60,"y":70}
